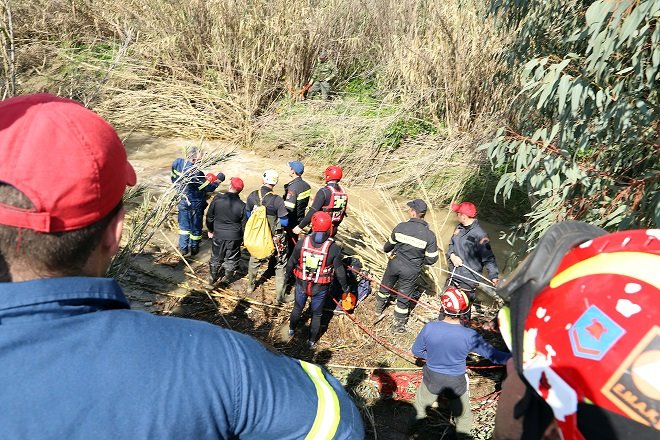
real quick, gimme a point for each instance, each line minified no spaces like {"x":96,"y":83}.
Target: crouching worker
{"x":445,"y":346}
{"x":315,"y":261}
{"x":77,"y":363}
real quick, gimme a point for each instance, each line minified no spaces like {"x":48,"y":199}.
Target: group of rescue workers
{"x":581,"y":320}
{"x":315,"y":261}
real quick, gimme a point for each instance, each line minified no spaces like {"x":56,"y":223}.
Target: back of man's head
{"x":65,"y":184}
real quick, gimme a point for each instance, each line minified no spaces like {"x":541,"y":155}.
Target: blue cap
{"x":297,"y":167}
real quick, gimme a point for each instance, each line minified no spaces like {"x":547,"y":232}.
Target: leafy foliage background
{"x":582,"y":132}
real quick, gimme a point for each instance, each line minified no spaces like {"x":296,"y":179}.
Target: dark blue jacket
{"x":472,"y":244}
{"x":78,"y":364}
{"x":193,"y":182}
{"x":446,"y":346}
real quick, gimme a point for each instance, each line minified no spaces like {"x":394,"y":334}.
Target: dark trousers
{"x":226,"y":253}
{"x":402,"y":276}
{"x":316,"y":304}
{"x":190,"y":219}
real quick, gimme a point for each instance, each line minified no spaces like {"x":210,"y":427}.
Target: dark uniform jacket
{"x":296,"y":199}
{"x":472,"y":244}
{"x":226,"y":217}
{"x":274,"y":204}
{"x":414,"y":242}
{"x":334,"y":258}
{"x":321,"y":199}
{"x":193,"y":182}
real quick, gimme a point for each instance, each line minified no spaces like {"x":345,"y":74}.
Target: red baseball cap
{"x":237,"y":183}
{"x":466,"y":208}
{"x":65,"y":158}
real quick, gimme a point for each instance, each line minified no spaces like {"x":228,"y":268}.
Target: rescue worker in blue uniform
{"x":315,"y":261}
{"x":296,"y":198}
{"x":77,"y":363}
{"x":469,"y":247}
{"x":331,"y":199}
{"x":445,"y":345}
{"x":194,"y":186}
{"x":413,"y":245}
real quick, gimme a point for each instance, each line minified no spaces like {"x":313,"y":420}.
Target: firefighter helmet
{"x":321,"y":221}
{"x":271,"y":177}
{"x":333,"y":172}
{"x":454,"y":301}
{"x":582,"y":327}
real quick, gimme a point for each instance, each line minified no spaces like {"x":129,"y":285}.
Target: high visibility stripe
{"x":304,"y":195}
{"x":289,"y":204}
{"x":412,"y":241}
{"x":203,"y":185}
{"x":195,"y":237}
{"x":182,"y":232}
{"x":391,"y":240}
{"x":639,"y":265}
{"x":326,"y":421}
{"x":431,"y":254}
{"x":383,"y":294}
{"x":400,"y":310}
{"x":176,"y":172}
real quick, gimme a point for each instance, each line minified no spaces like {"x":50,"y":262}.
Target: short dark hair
{"x":57,"y":253}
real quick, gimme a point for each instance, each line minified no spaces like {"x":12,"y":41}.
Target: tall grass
{"x":227,"y":69}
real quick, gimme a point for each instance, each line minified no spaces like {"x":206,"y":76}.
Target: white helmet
{"x":271,"y":177}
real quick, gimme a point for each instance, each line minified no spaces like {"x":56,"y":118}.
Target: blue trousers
{"x":190,"y":219}
{"x":316,"y":304}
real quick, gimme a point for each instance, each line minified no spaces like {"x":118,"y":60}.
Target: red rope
{"x":393,"y":348}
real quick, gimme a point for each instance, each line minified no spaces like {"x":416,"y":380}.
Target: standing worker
{"x":413,"y":245}
{"x":194,"y":185}
{"x":324,"y":72}
{"x":296,"y":199}
{"x":469,"y":252}
{"x":331,"y":199}
{"x":315,"y":261}
{"x":225,"y":219}
{"x":445,"y":346}
{"x":77,"y":363}
{"x":277,"y":220}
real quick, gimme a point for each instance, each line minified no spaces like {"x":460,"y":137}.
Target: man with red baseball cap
{"x":469,"y":251}
{"x":76,"y":362}
{"x":225,"y":220}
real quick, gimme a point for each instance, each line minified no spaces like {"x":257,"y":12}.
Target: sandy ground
{"x":160,"y":282}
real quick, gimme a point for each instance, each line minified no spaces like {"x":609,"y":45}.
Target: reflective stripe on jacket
{"x":413,"y":241}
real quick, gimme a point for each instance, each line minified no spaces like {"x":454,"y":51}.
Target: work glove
{"x":211,"y":178}
{"x":221,"y":177}
{"x":456,"y":260}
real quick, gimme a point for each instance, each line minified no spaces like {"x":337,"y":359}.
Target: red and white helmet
{"x":454,"y":301}
{"x":270,"y":177}
{"x":321,"y":221}
{"x":583,"y":326}
{"x":333,"y":172}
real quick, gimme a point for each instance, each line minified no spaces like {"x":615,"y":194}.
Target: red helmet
{"x":321,"y":221}
{"x":454,"y":301}
{"x":333,"y":172}
{"x":583,"y":329}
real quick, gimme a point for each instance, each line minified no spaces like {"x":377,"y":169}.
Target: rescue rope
{"x":396,"y":350}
